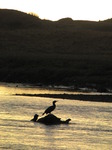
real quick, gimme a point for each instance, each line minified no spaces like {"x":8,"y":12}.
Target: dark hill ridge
{"x":86,"y":25}
{"x":64,"y":52}
{"x":16,"y":19}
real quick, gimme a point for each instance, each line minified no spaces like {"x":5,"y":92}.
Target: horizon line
{"x":53,"y":20}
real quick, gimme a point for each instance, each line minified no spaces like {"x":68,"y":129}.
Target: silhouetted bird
{"x":50,"y":109}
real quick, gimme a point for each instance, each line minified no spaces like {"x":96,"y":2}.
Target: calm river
{"x":90,"y":127}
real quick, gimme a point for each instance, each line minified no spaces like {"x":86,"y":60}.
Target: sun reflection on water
{"x":90,"y":127}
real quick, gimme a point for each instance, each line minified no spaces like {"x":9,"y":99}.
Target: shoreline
{"x":70,"y":88}
{"x":64,"y":92}
{"x":81,"y":97}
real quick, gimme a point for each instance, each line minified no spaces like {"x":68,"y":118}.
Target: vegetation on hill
{"x":63,"y":52}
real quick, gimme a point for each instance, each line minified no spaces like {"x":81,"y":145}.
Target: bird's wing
{"x":49,"y":109}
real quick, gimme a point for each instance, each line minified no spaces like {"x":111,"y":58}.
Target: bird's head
{"x":54,"y":102}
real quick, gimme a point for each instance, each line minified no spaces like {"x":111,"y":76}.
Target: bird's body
{"x":50,"y":109}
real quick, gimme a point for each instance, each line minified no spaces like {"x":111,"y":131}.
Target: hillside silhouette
{"x":63,"y":52}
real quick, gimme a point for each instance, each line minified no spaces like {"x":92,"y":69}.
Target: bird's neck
{"x":54,"y":105}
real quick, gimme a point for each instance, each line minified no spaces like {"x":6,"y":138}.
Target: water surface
{"x":90,"y":127}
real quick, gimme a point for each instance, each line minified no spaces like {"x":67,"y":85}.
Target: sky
{"x":93,"y":10}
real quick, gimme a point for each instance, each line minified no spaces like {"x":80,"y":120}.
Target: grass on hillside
{"x":69,"y":53}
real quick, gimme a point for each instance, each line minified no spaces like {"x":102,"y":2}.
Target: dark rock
{"x":50,"y":119}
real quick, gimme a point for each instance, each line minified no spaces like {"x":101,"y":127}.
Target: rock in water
{"x":50,"y":119}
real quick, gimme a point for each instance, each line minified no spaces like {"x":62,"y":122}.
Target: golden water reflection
{"x":90,"y":127}
{"x":12,"y":89}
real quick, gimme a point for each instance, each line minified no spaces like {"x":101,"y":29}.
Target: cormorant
{"x":50,"y":109}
